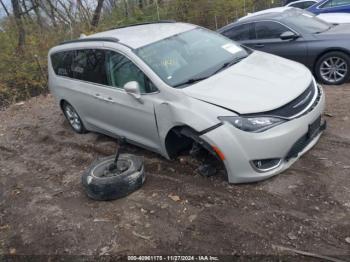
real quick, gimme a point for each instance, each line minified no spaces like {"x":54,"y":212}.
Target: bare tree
{"x":140,"y":4}
{"x":36,"y":6}
{"x":19,"y":23}
{"x":97,"y":14}
{"x":4,"y":6}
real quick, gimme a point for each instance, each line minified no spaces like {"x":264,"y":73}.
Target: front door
{"x":267,"y":39}
{"x":104,"y":103}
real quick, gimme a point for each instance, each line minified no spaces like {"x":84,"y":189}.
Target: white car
{"x":169,"y":86}
{"x":302,"y":4}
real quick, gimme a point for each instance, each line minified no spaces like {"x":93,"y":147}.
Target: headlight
{"x":252,"y":124}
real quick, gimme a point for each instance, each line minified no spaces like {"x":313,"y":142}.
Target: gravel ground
{"x":44,"y":210}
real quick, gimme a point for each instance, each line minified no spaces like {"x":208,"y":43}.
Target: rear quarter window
{"x":85,"y":64}
{"x":62,"y":62}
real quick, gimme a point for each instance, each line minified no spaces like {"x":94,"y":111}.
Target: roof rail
{"x":144,"y":23}
{"x":91,"y":39}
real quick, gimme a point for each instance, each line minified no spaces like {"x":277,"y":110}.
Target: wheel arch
{"x":328,"y":50}
{"x":181,"y":137}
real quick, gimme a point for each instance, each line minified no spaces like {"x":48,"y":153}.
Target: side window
{"x":307,"y":4}
{"x":298,"y":5}
{"x":120,"y":70}
{"x":238,"y":33}
{"x":269,"y":30}
{"x":61,"y":63}
{"x":89,"y":65}
{"x":335,"y":3}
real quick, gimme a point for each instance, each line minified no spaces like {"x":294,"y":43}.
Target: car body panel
{"x":243,"y":87}
{"x":318,"y":8}
{"x":335,"y":18}
{"x":142,"y":35}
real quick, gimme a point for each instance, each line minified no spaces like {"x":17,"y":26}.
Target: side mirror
{"x":288,"y":35}
{"x":133,"y":89}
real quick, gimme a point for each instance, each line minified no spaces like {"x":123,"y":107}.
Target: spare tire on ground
{"x":103,"y":182}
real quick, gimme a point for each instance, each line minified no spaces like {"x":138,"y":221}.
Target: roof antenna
{"x":82,"y":36}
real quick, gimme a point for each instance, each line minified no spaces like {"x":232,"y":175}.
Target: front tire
{"x":333,"y":68}
{"x":102,"y":184}
{"x":73,"y":118}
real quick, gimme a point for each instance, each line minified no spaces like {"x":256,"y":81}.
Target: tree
{"x":97,"y":14}
{"x":19,"y":23}
{"x":4,"y":6}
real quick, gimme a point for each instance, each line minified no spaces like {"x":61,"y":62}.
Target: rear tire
{"x":73,"y":118}
{"x":333,"y":68}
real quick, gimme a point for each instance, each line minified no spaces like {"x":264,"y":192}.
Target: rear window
{"x":62,"y":62}
{"x":87,"y":65}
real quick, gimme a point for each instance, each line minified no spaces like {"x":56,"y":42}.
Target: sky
{"x":8,"y":5}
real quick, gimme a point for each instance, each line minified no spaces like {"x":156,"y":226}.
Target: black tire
{"x":321,"y":68}
{"x":77,"y":127}
{"x":112,"y":187}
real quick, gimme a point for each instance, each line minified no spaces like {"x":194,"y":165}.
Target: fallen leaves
{"x":174,"y":197}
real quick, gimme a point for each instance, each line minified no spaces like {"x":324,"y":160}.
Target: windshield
{"x":307,"y":22}
{"x":191,"y":56}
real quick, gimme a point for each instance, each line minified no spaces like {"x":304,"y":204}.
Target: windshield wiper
{"x":228,"y":64}
{"x":191,"y":81}
{"x":225,"y":65}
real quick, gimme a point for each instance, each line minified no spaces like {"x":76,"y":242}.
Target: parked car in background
{"x":297,"y":35}
{"x":335,"y":18}
{"x":302,"y":4}
{"x":170,"y":87}
{"x":330,"y":6}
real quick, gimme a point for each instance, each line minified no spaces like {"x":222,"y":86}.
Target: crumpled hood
{"x":261,"y":82}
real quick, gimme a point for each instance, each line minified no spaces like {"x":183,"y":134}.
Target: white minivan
{"x":166,"y":86}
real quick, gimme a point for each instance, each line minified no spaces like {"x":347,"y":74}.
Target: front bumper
{"x":288,"y":141}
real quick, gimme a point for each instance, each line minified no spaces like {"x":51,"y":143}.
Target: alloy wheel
{"x":73,"y":117}
{"x":333,"y":69}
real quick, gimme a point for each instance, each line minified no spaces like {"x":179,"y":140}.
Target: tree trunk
{"x":35,"y":4}
{"x":97,"y":14}
{"x":126,"y":8}
{"x":141,"y":4}
{"x":19,"y":23}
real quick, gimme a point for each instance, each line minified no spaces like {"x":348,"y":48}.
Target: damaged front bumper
{"x":250,"y":157}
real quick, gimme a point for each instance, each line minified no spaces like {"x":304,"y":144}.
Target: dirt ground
{"x":44,"y":210}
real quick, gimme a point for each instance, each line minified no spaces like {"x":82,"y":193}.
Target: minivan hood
{"x":259,"y":83}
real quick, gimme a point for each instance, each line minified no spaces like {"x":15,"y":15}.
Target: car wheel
{"x":103,"y":183}
{"x":73,"y":118}
{"x":333,"y":68}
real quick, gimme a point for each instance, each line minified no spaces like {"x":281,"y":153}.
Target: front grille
{"x":298,"y":105}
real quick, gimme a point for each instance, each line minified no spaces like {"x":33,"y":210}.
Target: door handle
{"x":98,"y":96}
{"x":259,"y":45}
